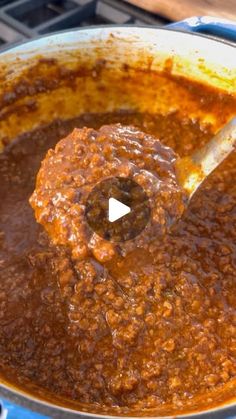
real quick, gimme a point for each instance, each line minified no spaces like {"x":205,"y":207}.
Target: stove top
{"x":25,"y":19}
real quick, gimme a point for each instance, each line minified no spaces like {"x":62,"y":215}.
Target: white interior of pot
{"x":145,"y":49}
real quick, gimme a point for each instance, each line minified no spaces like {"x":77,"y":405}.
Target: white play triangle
{"x":116,"y":210}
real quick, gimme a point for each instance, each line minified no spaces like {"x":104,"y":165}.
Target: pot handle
{"x":222,"y":28}
{"x":3,"y":411}
{"x":9,"y":410}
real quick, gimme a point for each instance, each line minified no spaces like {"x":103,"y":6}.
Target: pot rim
{"x":10,"y":48}
{"x":36,"y":405}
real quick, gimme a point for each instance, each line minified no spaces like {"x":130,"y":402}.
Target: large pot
{"x":96,"y":60}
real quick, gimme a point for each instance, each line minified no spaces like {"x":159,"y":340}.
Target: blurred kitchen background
{"x":25,"y":19}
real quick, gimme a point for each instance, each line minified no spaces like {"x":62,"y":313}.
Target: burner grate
{"x":24,"y":19}
{"x":8,"y":35}
{"x":32,"y":16}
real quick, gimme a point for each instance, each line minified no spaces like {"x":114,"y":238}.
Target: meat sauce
{"x":153,"y":330}
{"x":83,"y":159}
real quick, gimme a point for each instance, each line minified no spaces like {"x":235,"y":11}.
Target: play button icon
{"x":117,"y":209}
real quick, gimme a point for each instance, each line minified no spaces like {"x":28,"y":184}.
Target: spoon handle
{"x":192,"y":171}
{"x":217,"y":149}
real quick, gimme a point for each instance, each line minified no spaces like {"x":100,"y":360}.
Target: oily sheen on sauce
{"x":153,"y":330}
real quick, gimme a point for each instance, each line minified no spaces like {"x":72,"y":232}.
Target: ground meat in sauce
{"x":155,"y":329}
{"x":86,"y":157}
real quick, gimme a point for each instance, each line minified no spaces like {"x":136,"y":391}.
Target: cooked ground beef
{"x":85,"y":158}
{"x":153,"y":330}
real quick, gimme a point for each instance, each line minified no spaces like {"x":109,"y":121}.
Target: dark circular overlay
{"x":129,"y":193}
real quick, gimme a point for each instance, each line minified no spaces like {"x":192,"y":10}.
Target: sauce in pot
{"x":151,"y":331}
{"x":87,"y":158}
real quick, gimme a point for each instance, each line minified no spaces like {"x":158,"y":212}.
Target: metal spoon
{"x":192,"y":171}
